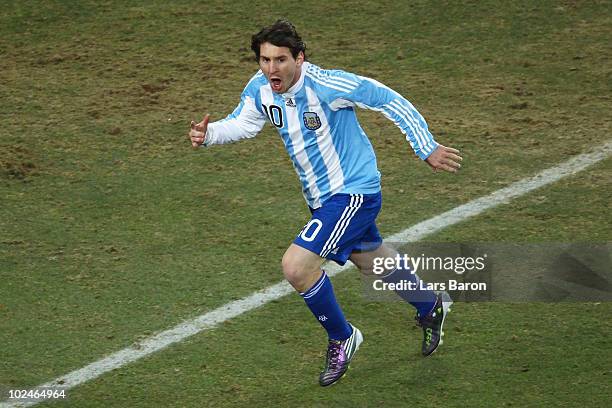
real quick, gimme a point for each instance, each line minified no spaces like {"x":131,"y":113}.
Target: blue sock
{"x":423,"y":300}
{"x":321,"y":301}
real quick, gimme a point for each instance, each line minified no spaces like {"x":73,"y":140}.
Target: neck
{"x":296,"y":77}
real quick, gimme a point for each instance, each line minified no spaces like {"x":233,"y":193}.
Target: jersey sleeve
{"x":367,"y":93}
{"x":246,"y":121}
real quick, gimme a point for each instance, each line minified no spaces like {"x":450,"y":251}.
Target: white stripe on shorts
{"x":345,"y":213}
{"x":342,"y":224}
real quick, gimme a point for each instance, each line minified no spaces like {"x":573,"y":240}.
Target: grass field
{"x":112,"y":228}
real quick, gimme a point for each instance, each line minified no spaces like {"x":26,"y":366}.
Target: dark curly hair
{"x":281,"y":34}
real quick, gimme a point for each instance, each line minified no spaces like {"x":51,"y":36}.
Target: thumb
{"x":201,"y":127}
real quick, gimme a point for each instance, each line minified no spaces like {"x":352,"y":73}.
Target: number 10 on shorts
{"x":310,"y":230}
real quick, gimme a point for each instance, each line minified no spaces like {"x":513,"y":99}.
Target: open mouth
{"x":275,"y":83}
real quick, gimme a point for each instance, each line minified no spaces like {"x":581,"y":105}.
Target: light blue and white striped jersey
{"x":316,"y":120}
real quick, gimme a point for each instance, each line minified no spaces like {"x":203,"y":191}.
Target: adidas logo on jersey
{"x":290,"y":103}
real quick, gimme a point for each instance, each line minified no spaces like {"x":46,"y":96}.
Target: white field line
{"x":232,"y":309}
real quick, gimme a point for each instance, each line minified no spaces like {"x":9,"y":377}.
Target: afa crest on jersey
{"x":312,"y":120}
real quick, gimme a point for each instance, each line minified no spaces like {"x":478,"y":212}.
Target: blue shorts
{"x":344,"y":224}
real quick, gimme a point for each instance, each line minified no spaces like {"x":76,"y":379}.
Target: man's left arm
{"x":371,"y":94}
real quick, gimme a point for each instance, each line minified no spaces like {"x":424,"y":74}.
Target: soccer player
{"x":313,"y":110}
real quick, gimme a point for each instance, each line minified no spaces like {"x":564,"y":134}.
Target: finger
{"x":192,"y":124}
{"x":204,"y":123}
{"x":195,"y":136}
{"x":453,"y":156}
{"x":453,"y":164}
{"x":197,"y":141}
{"x":448,"y":168}
{"x":451,"y":150}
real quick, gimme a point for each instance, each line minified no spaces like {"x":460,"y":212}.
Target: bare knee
{"x":298,"y":273}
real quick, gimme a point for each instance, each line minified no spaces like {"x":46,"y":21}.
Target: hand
{"x":445,"y":158}
{"x":197,"y":134}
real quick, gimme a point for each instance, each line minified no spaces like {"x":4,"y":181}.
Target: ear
{"x":300,"y":59}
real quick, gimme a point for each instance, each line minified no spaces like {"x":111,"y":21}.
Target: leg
{"x":432,"y":307}
{"x":422,"y":300}
{"x":331,"y":233}
{"x":365,"y":260}
{"x":301,"y":267}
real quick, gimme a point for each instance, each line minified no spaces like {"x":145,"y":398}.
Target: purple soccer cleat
{"x":339,"y":356}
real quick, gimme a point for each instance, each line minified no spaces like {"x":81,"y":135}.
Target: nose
{"x":273,"y":66}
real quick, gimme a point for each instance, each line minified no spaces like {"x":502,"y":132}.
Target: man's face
{"x":279,"y":66}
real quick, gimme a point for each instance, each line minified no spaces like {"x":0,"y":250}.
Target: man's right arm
{"x":244,"y":122}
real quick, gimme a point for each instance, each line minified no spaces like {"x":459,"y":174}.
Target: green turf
{"x":112,"y":228}
{"x":496,"y":354}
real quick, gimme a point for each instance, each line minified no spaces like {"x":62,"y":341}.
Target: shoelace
{"x":333,"y":353}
